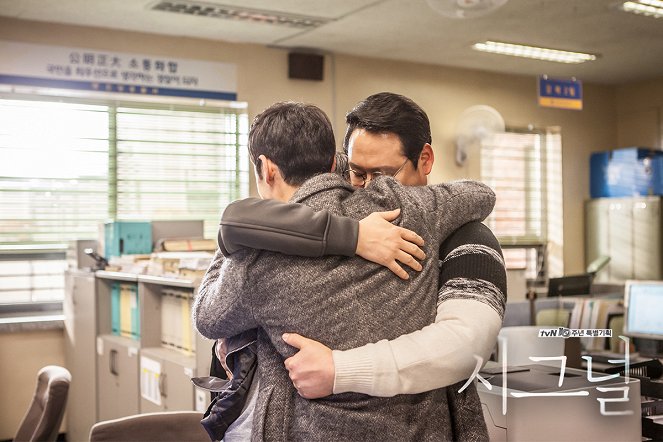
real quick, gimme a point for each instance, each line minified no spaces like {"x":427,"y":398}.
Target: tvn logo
{"x":563,"y":332}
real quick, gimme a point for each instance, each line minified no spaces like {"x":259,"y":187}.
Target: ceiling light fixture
{"x":651,"y":8}
{"x":534,"y":52}
{"x":202,"y":9}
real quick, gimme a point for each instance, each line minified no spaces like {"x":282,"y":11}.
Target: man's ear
{"x":268,"y":169}
{"x":426,"y":159}
{"x":333,"y":168}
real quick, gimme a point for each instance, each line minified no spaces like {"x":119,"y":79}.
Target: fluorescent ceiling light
{"x":534,"y":52}
{"x":202,"y":9}
{"x":652,"y":8}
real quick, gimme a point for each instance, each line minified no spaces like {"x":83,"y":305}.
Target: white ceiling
{"x":630,"y":46}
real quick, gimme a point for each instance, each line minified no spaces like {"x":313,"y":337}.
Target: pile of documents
{"x":184,"y":265}
{"x":135,"y":264}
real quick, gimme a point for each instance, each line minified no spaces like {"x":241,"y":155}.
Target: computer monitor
{"x":643,"y":320}
{"x":574,"y":285}
{"x":570,"y":285}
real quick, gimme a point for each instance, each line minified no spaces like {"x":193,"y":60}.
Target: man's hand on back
{"x":386,"y":244}
{"x":311,"y":370}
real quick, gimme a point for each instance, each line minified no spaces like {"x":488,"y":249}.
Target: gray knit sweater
{"x":344,"y":303}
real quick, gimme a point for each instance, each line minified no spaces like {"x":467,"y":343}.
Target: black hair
{"x":387,"y":112}
{"x":297,"y":137}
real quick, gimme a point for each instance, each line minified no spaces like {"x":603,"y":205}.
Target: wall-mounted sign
{"x":562,"y":94}
{"x":94,"y":70}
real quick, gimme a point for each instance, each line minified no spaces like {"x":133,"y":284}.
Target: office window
{"x":178,"y":164}
{"x":525,"y":170}
{"x":68,"y":165}
{"x":53,"y":171}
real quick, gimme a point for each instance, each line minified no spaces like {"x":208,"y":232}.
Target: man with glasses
{"x":343,"y":301}
{"x":361,"y":179}
{"x":389,"y":134}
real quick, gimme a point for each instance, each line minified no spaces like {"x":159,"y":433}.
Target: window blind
{"x":524,"y":169}
{"x":511,"y":164}
{"x":68,"y":165}
{"x":179,"y":164}
{"x":53,"y":171}
{"x":37,"y":277}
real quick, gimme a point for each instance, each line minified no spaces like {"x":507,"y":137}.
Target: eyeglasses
{"x":359,"y":179}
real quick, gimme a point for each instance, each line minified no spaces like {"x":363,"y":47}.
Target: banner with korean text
{"x":60,"y":67}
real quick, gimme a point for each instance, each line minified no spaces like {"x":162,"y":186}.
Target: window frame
{"x":57,"y":251}
{"x":538,"y":247}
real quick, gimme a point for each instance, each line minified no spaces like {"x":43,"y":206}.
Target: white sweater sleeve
{"x":436,"y":356}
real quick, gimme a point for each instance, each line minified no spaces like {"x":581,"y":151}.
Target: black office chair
{"x":43,"y":419}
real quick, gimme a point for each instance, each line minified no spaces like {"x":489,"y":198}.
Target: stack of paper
{"x":185,"y":265}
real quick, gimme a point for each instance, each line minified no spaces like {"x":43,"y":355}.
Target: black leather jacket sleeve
{"x":289,"y":228}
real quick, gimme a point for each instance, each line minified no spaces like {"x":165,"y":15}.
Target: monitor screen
{"x":644,"y":309}
{"x":570,"y":285}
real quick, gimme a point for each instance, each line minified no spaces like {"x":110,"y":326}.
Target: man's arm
{"x":469,"y":316}
{"x":296,"y":229}
{"x":223,"y":306}
{"x":290,"y":228}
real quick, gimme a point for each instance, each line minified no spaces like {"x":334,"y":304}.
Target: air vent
{"x":240,"y":13}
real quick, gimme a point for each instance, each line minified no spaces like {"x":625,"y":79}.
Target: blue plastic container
{"x":657,"y":175}
{"x":633,"y":171}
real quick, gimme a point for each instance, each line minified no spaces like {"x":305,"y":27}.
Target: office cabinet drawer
{"x":117,"y":369}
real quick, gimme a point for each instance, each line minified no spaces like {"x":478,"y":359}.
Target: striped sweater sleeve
{"x":472,"y":268}
{"x":471,"y":303}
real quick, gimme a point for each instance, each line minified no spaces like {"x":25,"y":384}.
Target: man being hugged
{"x":342,"y":302}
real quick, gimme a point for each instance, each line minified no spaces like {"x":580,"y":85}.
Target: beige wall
{"x":640,"y":114}
{"x":22,"y":355}
{"x":443,"y":92}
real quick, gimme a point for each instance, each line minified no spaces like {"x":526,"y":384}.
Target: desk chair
{"x":163,"y":426}
{"x":43,"y":419}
